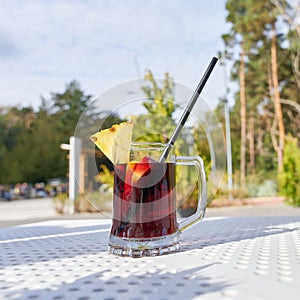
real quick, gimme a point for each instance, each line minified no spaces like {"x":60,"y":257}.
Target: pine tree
{"x":254,"y":32}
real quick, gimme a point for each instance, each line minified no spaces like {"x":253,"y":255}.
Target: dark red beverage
{"x":144,"y":200}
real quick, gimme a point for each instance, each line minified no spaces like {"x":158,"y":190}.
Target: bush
{"x":97,"y":201}
{"x":60,"y":201}
{"x":260,"y":184}
{"x":289,"y":179}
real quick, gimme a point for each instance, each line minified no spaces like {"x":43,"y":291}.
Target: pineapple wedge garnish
{"x":115,"y":142}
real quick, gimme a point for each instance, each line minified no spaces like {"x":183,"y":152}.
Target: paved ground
{"x":255,"y":209}
{"x":19,"y":212}
{"x":27,"y":211}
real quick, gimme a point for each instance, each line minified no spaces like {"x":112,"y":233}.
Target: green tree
{"x":157,"y":124}
{"x":289,"y":178}
{"x":255,"y":35}
{"x":240,"y":34}
{"x":30,"y":141}
{"x":15,"y":122}
{"x":67,"y":107}
{"x":35,"y":155}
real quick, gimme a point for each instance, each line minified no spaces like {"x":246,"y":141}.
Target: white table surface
{"x":221,"y":258}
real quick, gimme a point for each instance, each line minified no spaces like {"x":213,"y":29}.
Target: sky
{"x":102,"y":43}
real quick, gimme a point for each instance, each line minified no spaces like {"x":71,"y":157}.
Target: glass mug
{"x":144,"y":202}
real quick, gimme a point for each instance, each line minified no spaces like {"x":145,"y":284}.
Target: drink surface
{"x":144,"y":200}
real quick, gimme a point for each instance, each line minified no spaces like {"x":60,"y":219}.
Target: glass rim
{"x":148,"y":145}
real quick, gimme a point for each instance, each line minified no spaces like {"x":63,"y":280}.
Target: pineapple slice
{"x":115,"y":142}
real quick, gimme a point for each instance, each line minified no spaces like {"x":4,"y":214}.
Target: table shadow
{"x":23,"y":245}
{"x":160,"y":285}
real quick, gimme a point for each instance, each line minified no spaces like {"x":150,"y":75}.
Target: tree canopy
{"x":30,"y":140}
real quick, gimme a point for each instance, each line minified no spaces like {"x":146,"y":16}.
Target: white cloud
{"x":45,"y":44}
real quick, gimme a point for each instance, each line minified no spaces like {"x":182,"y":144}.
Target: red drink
{"x":144,"y":204}
{"x":144,"y":200}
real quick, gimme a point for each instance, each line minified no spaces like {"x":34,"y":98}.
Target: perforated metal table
{"x":221,"y":258}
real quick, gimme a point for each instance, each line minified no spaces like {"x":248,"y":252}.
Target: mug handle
{"x":197,"y":162}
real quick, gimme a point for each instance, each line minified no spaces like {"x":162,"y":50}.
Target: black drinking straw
{"x":188,"y":109}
